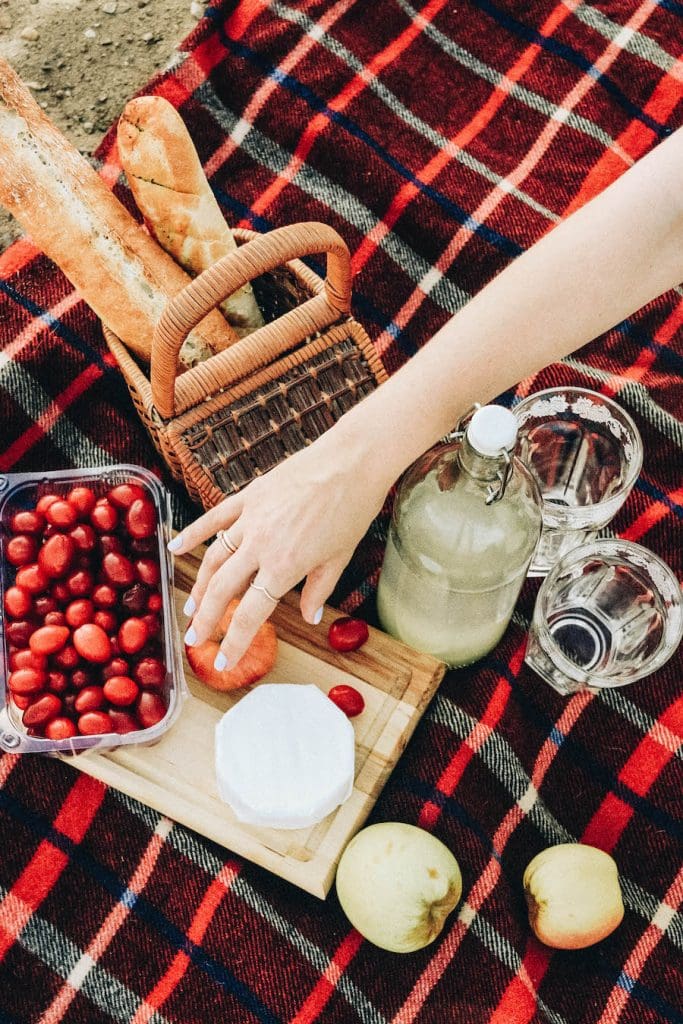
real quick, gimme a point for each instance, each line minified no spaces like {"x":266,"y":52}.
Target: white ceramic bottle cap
{"x":492,"y":430}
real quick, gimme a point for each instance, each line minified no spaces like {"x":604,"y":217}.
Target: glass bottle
{"x":465,"y":524}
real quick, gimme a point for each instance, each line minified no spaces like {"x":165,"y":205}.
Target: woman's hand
{"x":303,"y":519}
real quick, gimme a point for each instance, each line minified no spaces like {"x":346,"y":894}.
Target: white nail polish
{"x":220,"y":662}
{"x":174,"y":544}
{"x":190,"y":637}
{"x":317,"y":618}
{"x":190,"y":607}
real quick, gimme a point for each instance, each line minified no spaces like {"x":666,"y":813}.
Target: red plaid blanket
{"x":441,"y":140}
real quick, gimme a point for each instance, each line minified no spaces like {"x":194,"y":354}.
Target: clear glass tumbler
{"x":586,"y":453}
{"x":610,"y":612}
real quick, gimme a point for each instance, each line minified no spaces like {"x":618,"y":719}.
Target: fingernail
{"x":220,"y":662}
{"x":174,"y":544}
{"x":190,"y":607}
{"x":317,"y":618}
{"x":190,"y":637}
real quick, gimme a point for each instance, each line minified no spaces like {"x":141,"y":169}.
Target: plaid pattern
{"x":441,"y":141}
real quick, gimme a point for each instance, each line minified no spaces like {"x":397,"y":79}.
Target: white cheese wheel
{"x":284,"y":756}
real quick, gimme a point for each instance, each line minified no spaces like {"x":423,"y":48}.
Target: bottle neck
{"x":481,"y":467}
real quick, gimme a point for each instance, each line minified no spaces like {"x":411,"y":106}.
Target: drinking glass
{"x":610,"y":612}
{"x":586,"y":453}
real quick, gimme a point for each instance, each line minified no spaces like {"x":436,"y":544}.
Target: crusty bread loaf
{"x":171,"y":190}
{"x":68,"y":211}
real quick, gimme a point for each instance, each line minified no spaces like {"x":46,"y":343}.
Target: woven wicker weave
{"x":238,"y":414}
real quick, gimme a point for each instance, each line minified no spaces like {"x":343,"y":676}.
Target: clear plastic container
{"x":20,"y":492}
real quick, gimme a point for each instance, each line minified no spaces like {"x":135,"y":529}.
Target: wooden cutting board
{"x":176,"y":776}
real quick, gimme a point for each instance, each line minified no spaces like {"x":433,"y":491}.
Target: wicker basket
{"x":239,"y":413}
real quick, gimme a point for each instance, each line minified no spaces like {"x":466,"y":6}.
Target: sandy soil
{"x":83,"y":59}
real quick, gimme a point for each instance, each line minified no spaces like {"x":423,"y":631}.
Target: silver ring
{"x":264,"y":590}
{"x":222,"y":536}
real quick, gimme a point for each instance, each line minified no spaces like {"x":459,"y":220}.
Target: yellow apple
{"x":397,"y":884}
{"x":573,"y":895}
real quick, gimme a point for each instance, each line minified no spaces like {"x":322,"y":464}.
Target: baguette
{"x":68,"y":211}
{"x":171,"y":190}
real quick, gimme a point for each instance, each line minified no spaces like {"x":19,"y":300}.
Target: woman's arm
{"x":305,"y":517}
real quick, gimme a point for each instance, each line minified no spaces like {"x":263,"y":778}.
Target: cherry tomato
{"x":83,"y":536}
{"x":150,"y":708}
{"x":118,"y":569}
{"x":109,"y":542}
{"x":144,"y":546}
{"x":124,"y":495}
{"x":153,"y":623}
{"x":80,"y":583}
{"x":56,"y":555}
{"x":43,"y":604}
{"x":27,"y":659}
{"x":60,"y":513}
{"x":104,"y":596}
{"x":57,"y":682}
{"x":49,"y":639}
{"x":82,"y":500}
{"x":26,"y":680}
{"x":27,"y":522}
{"x":68,"y":658}
{"x":92,"y":643}
{"x":347,"y":634}
{"x":94,"y":723}
{"x":150,"y":672}
{"x":60,"y":729}
{"x":132,"y":636}
{"x":121,"y":690}
{"x":116,"y":667}
{"x":79,"y":612}
{"x":347,"y":699}
{"x":31,"y":577}
{"x":24,"y":700}
{"x":106,"y":619}
{"x":155,"y":602}
{"x":42,"y":710}
{"x":45,"y":502}
{"x":147,"y":570}
{"x":81,"y":677}
{"x":19,"y":632}
{"x":141,"y":518}
{"x":18,"y":602}
{"x":55,"y":618}
{"x":123,"y":721}
{"x":90,"y":698}
{"x":61,"y":592}
{"x":104,"y":516}
{"x":21,"y":549}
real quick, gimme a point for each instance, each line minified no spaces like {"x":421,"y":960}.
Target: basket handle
{"x":186,"y":309}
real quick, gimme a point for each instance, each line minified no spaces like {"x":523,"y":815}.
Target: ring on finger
{"x":222,"y":536}
{"x":264,"y":590}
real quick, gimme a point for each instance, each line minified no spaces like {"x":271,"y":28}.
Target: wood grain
{"x":176,"y":776}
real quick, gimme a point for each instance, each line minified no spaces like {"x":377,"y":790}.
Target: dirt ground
{"x":82,"y":59}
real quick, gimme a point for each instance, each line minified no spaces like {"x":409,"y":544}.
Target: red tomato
{"x":24,"y":700}
{"x":61,"y":592}
{"x":55,"y":619}
{"x":83,"y":501}
{"x":141,"y":518}
{"x":45,"y":502}
{"x":153,"y":623}
{"x":60,"y":729}
{"x":60,"y":513}
{"x":27,"y":522}
{"x":92,"y":643}
{"x":67,"y":658}
{"x":90,"y":698}
{"x":104,"y":516}
{"x":81,"y":677}
{"x":18,"y":602}
{"x":155,"y":602}
{"x":21,"y":549}
{"x":347,"y":699}
{"x":347,"y":634}
{"x":31,"y":577}
{"x":79,"y":612}
{"x":43,"y":604}
{"x":104,"y":596}
{"x":19,"y":632}
{"x":150,"y":708}
{"x":83,"y":536}
{"x":106,"y":619}
{"x":57,"y":682}
{"x":109,"y":542}
{"x":132,"y":636}
{"x":49,"y":639}
{"x":94,"y":723}
{"x":150,"y":672}
{"x":121,"y":690}
{"x":26,"y":680}
{"x":124,"y":495}
{"x":56,"y":555}
{"x":80,"y":583}
{"x":118,"y":569}
{"x":116,"y":667}
{"x":42,"y":710}
{"x":27,"y":659}
{"x":123,"y":721}
{"x":148,"y":571}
